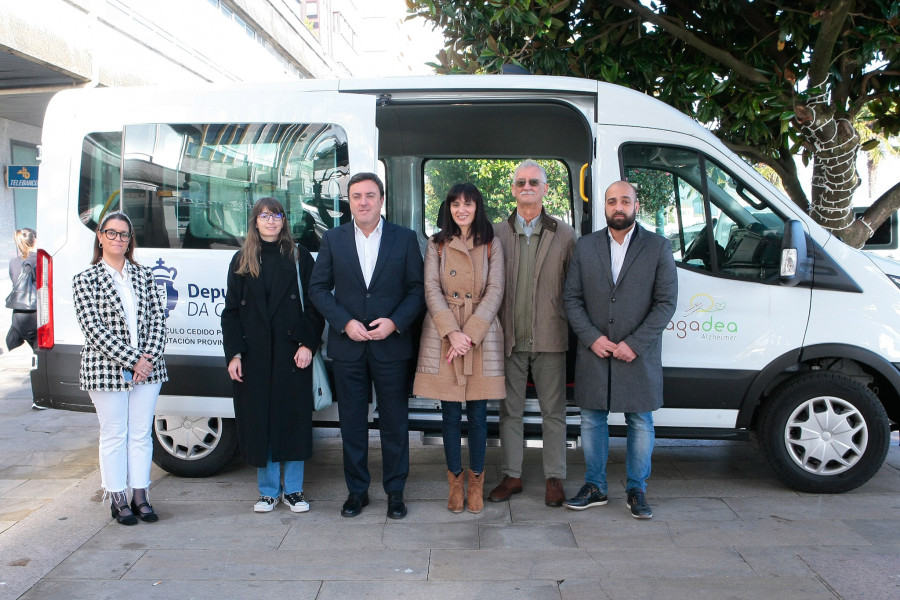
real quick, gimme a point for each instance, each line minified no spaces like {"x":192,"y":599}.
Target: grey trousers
{"x":548,"y":369}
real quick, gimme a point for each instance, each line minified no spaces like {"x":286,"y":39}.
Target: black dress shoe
{"x":396,"y":507}
{"x":354,"y":504}
{"x":119,"y":517}
{"x":147,"y":516}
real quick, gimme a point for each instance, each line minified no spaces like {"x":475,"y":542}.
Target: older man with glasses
{"x":536,"y":248}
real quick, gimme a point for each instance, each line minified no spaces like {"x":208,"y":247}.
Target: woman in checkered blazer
{"x":121,"y":312}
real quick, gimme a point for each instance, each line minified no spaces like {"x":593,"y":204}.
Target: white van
{"x":780,"y":328}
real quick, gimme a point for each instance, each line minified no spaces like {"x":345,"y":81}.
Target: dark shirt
{"x":268,"y":257}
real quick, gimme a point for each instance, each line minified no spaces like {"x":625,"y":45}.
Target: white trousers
{"x":126,"y":448}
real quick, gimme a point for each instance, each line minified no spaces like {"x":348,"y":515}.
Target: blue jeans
{"x":638,"y":448}
{"x":476,"y":416}
{"x":268,"y":478}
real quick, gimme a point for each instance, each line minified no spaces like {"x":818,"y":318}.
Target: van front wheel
{"x":193,"y":446}
{"x":824,"y":433}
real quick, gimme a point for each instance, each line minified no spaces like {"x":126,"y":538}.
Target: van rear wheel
{"x":824,"y":433}
{"x":193,"y":446}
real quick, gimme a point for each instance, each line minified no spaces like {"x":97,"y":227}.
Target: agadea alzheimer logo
{"x":704,"y":318}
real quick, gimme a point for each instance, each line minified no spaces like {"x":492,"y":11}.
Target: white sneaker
{"x":297,"y":502}
{"x":265,"y":504}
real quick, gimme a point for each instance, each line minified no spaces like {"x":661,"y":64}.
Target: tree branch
{"x":677,"y":31}
{"x":861,"y":229}
{"x":823,"y":50}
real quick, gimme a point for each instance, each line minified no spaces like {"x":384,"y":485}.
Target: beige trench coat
{"x":463,"y":291}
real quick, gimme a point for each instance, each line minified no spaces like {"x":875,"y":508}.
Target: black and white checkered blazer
{"x":107,"y":342}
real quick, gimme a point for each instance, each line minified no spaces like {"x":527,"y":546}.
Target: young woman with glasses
{"x":269,"y":341}
{"x":121,"y":312}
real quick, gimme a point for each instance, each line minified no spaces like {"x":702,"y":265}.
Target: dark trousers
{"x":476,"y":419}
{"x":353,"y":383}
{"x":23,"y":328}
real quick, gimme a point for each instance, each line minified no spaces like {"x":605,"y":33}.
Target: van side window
{"x":714,"y":222}
{"x":98,"y":191}
{"x":493,"y":178}
{"x":193,"y":186}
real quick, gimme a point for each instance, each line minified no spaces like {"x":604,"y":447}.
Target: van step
{"x":435,"y":439}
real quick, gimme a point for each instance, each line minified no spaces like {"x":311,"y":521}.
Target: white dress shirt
{"x":617,"y":252}
{"x":367,"y":249}
{"x":126,"y":295}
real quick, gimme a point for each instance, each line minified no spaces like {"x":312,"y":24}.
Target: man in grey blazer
{"x":620,"y":293}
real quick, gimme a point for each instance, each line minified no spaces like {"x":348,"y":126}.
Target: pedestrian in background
{"x":461,"y":351}
{"x":24,"y":322}
{"x":121,"y":312}
{"x":270,"y":338}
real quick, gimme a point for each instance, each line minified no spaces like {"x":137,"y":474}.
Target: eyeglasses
{"x":112,"y":233}
{"x":520,"y":183}
{"x":277,"y":217}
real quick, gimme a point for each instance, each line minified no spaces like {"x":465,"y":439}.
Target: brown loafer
{"x":554,"y":495}
{"x":508,"y":486}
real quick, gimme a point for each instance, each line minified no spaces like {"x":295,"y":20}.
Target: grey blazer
{"x":107,"y":343}
{"x":636,"y":309}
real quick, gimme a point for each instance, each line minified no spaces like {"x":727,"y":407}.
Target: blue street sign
{"x":22,"y":176}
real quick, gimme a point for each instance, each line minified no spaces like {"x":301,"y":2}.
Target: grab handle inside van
{"x":793,"y":254}
{"x":582,"y":182}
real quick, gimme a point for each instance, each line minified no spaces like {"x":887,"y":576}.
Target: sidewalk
{"x":723,"y":527}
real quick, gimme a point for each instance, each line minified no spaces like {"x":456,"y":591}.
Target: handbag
{"x":24,"y":292}
{"x":321,"y":387}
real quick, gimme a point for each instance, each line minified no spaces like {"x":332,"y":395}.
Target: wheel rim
{"x":188,"y":438}
{"x":826,"y":435}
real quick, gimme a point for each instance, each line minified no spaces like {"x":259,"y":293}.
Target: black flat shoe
{"x":147,"y":517}
{"x":119,"y":517}
{"x":396,"y":508}
{"x":354,"y":504}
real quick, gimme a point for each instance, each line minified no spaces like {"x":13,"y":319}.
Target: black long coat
{"x":274,"y":404}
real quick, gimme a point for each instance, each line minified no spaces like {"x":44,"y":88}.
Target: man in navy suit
{"x":375,"y":269}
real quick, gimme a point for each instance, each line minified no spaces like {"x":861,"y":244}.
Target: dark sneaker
{"x":637,"y":503}
{"x":589,"y":495}
{"x":265,"y":504}
{"x":296,"y":501}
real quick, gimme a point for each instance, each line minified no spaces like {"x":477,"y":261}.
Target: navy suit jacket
{"x":396,"y":291}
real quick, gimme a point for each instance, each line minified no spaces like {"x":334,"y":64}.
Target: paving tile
{"x":518,"y":564}
{"x":40,"y":488}
{"x":876,"y":531}
{"x":526,"y":535}
{"x":47,"y":472}
{"x":168,"y":589}
{"x":646,"y":562}
{"x":96,"y":564}
{"x":696,"y":588}
{"x":463,"y":534}
{"x":239,"y":565}
{"x":766,"y":532}
{"x":862,"y":575}
{"x":445,"y":590}
{"x":825,"y":506}
{"x":629,"y":533}
{"x":7,"y":485}
{"x":16,"y":509}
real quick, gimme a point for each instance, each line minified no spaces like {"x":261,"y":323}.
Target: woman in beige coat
{"x":461,"y":354}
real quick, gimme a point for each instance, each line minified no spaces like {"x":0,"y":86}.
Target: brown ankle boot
{"x":455,"y":501}
{"x":475,"y":497}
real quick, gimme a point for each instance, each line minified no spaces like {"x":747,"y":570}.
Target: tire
{"x":193,"y":446}
{"x":824,"y":433}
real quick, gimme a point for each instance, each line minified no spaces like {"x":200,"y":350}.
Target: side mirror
{"x":794,"y":263}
